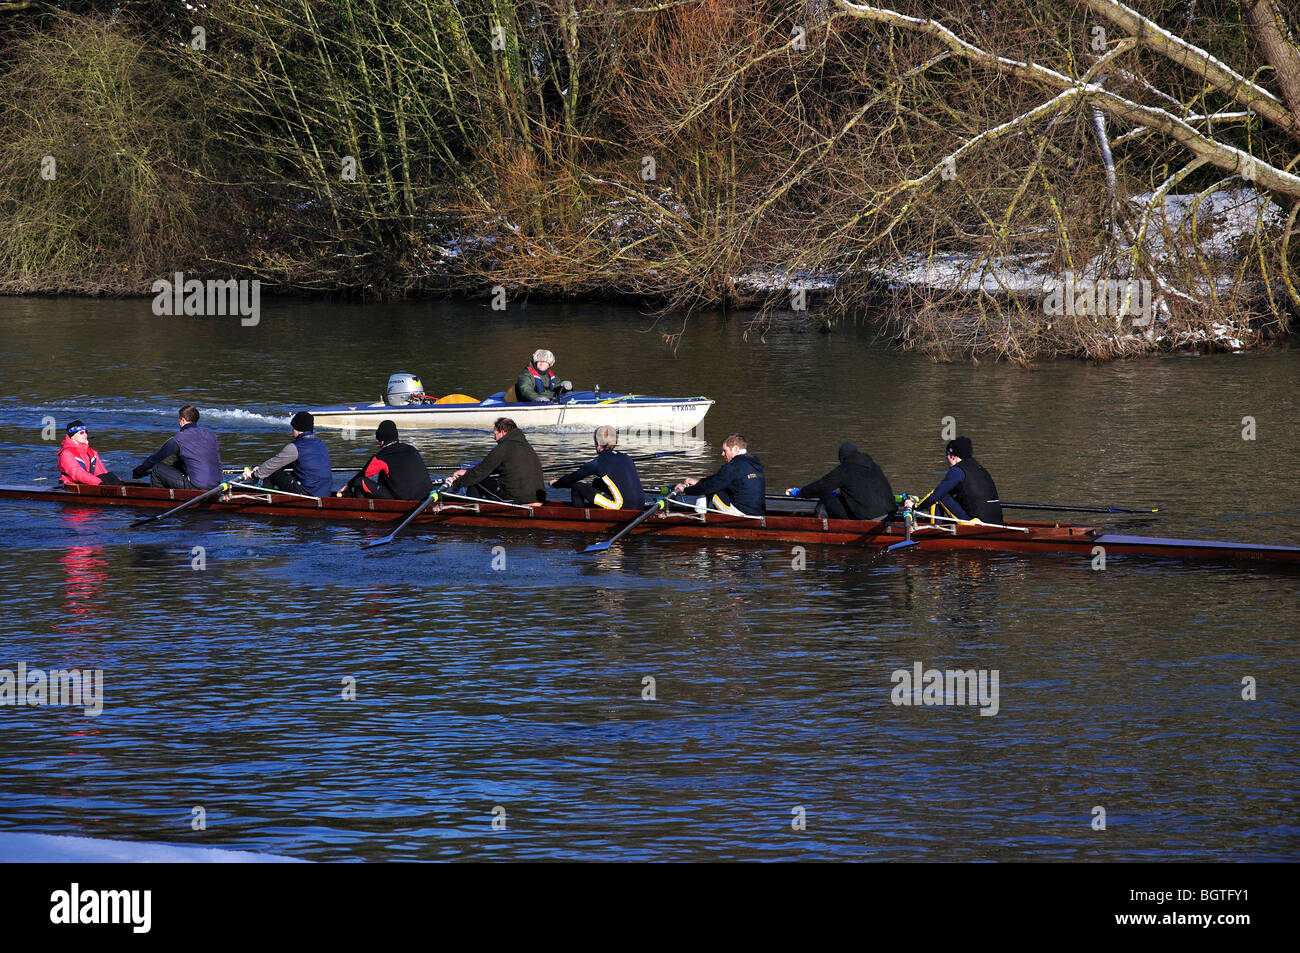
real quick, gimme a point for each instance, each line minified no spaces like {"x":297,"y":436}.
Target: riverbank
{"x":940,"y":307}
{"x":690,"y":157}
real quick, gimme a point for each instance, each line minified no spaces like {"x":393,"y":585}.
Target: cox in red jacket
{"x":78,"y":463}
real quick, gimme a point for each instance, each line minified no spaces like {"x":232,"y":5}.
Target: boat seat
{"x":512,"y":395}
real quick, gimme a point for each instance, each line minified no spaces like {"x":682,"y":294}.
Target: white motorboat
{"x":411,"y":409}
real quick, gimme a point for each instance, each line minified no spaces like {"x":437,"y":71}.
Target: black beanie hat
{"x":75,"y":427}
{"x":303,"y":422}
{"x":961,"y":447}
{"x":846,"y":448}
{"x":386,"y":432}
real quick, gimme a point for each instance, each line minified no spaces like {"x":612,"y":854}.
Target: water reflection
{"x":85,"y":572}
{"x":964,"y":592}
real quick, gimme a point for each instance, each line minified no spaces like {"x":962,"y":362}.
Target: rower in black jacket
{"x":966,"y":490}
{"x":397,"y":471}
{"x":739,"y":485}
{"x":857,"y":489}
{"x":617,"y":485}
{"x":511,"y":471}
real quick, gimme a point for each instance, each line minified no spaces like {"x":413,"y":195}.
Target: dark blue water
{"x":521,"y":688}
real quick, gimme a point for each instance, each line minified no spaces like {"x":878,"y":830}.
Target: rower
{"x":303,"y":466}
{"x":966,"y":490}
{"x":857,"y":489}
{"x":739,"y":486}
{"x":198,"y":458}
{"x":511,"y":471}
{"x":616,"y":486}
{"x":395,"y":472}
{"x":536,"y":383}
{"x":78,"y":463}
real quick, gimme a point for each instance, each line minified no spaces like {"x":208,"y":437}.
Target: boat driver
{"x":536,"y":383}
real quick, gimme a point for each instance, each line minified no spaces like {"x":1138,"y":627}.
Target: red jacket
{"x":78,"y":463}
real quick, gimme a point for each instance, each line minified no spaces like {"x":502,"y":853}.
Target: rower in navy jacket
{"x":739,"y":486}
{"x":303,"y":466}
{"x":617,"y":485}
{"x":966,"y":489}
{"x":395,"y":472}
{"x":198,"y":459}
{"x":863,"y":489}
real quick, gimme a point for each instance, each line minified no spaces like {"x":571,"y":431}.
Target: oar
{"x":654,"y":507}
{"x":696,"y":508}
{"x":271,"y":489}
{"x":439,"y":468}
{"x":785,"y":497}
{"x":433,"y":495}
{"x":355,"y":469}
{"x":188,"y":503}
{"x":908,"y":519}
{"x":1073,"y":509}
{"x":481,"y":499}
{"x":640,"y":459}
{"x":979,"y":524}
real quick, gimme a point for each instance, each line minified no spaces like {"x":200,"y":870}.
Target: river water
{"x":503,"y":712}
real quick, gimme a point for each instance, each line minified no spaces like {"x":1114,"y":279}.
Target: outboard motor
{"x":404,"y":389}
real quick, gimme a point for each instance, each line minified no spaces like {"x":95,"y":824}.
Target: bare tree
{"x":1122,"y":80}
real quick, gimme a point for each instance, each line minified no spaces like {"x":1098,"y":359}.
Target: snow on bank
{"x":1224,"y":222}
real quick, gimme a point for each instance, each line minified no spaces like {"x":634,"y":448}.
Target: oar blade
{"x":903,"y":545}
{"x":432,"y":497}
{"x":202,"y":497}
{"x":652,"y":509}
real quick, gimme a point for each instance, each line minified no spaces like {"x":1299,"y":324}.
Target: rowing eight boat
{"x":1020,"y":537}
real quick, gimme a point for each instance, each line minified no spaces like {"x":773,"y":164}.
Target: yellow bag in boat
{"x":457,"y":399}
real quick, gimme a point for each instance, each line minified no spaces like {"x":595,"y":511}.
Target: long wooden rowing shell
{"x":1042,"y":537}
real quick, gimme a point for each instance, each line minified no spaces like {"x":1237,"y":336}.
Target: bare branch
{"x":1214,"y":71}
{"x":1226,"y":157}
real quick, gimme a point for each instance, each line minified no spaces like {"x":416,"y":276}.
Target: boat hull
{"x":584,"y":411}
{"x":1031,"y":537}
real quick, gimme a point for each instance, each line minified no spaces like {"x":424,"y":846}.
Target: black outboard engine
{"x":405,"y":390}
